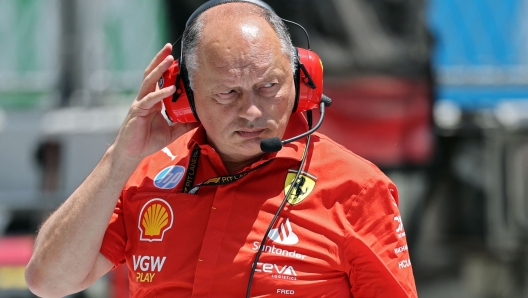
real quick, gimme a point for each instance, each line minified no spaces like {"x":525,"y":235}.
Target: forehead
{"x":237,"y":41}
{"x":236,"y":23}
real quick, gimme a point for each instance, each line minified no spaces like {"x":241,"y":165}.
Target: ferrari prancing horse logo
{"x":306,"y":185}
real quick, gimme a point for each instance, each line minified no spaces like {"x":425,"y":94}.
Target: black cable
{"x":295,"y":185}
{"x":174,"y":44}
{"x":322,"y":106}
{"x":305,"y":32}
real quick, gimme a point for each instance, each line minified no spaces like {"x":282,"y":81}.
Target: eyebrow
{"x":269,"y":75}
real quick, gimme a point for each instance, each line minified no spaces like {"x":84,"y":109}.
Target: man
{"x":340,"y":237}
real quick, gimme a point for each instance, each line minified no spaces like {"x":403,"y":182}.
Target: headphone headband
{"x":213,"y":3}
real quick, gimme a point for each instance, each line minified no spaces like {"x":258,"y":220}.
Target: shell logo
{"x":155,"y":219}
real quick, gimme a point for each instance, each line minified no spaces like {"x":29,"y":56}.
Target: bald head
{"x":236,"y":27}
{"x":233,"y":39}
{"x":234,"y":10}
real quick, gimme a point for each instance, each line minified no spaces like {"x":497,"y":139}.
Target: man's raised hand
{"x":145,"y":130}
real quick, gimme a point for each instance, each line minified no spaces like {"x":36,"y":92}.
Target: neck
{"x":234,"y":166}
{"x":234,"y":163}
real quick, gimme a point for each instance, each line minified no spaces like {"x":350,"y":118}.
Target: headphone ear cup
{"x":308,"y":80}
{"x":177,"y":107}
{"x":187,"y":86}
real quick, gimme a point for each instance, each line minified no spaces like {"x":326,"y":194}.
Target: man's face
{"x":244,"y":89}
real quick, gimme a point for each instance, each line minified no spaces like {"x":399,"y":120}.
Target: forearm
{"x":69,"y":241}
{"x":66,"y":256}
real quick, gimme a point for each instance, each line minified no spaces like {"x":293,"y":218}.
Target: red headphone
{"x":308,"y":77}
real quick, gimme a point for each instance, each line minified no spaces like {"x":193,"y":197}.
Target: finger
{"x":164,"y":52}
{"x":149,"y":101}
{"x":150,"y":82}
{"x":156,"y":74}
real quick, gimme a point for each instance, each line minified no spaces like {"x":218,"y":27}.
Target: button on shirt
{"x":340,"y":235}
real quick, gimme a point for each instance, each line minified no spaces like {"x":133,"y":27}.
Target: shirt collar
{"x":297,"y":125}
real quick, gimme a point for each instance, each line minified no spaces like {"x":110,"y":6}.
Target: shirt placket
{"x":212,"y":242}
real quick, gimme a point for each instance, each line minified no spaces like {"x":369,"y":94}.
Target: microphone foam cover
{"x":271,"y":145}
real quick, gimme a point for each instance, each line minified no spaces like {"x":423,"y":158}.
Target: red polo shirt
{"x":341,"y":237}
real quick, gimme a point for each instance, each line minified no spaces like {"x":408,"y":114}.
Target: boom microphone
{"x":271,"y":145}
{"x":275,"y":144}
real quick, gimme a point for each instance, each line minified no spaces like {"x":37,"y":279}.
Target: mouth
{"x":250,"y":133}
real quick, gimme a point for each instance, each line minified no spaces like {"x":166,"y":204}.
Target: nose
{"x":250,"y":108}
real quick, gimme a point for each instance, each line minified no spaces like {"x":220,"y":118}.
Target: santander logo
{"x":284,"y":234}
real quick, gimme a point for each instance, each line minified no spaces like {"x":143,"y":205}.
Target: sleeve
{"x":115,"y":238}
{"x":375,"y":252}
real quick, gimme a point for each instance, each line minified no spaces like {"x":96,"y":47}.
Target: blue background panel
{"x":481,"y":51}
{"x":479,"y":32}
